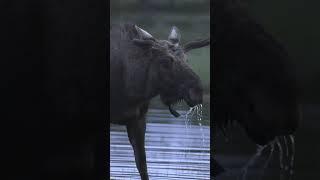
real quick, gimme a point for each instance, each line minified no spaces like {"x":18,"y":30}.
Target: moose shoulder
{"x":142,"y":67}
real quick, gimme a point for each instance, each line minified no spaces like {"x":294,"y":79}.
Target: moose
{"x":142,"y":67}
{"x":253,"y":76}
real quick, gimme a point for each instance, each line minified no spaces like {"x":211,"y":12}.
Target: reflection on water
{"x":171,"y":152}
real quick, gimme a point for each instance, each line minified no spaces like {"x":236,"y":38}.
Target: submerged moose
{"x":142,"y":67}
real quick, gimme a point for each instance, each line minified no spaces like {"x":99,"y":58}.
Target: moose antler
{"x":196,"y":44}
{"x":147,"y":42}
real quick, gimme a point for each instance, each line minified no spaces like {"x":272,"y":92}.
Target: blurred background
{"x":296,"y":25}
{"x":176,"y":148}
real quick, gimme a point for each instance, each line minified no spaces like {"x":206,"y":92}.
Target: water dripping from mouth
{"x":286,"y":158}
{"x":280,"y":152}
{"x":188,"y":117}
{"x":286,"y":145}
{"x":195,"y":111}
{"x":287,"y":163}
{"x":199,"y":118}
{"x":269,"y":157}
{"x":292,"y":155}
{"x":252,"y":160}
{"x":189,"y":114}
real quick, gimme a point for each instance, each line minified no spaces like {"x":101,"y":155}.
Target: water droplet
{"x":292,"y":155}
{"x":271,"y":144}
{"x":195,"y":112}
{"x":280,"y":152}
{"x":293,"y":150}
{"x":286,"y":145}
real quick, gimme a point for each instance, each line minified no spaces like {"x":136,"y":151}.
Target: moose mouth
{"x":172,"y":111}
{"x":171,"y":101}
{"x":191,"y":101}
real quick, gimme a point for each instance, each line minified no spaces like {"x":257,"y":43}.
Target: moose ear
{"x":174,"y":36}
{"x":142,"y":33}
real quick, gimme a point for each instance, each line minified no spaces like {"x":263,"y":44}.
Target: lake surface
{"x":174,"y":150}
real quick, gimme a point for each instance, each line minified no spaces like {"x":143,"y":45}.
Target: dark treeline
{"x":190,"y":6}
{"x":295,"y":24}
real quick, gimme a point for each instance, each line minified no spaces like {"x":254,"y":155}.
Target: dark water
{"x":173,"y":151}
{"x":245,"y":164}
